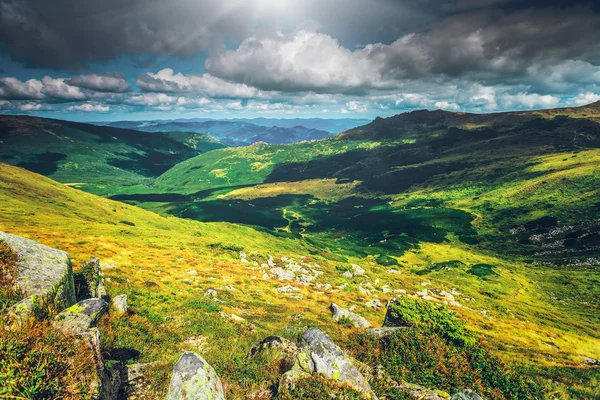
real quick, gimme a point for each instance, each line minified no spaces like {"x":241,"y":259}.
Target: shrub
{"x":346,"y":321}
{"x":226,"y":246}
{"x":386,"y":260}
{"x":42,"y":363}
{"x":9,"y":295}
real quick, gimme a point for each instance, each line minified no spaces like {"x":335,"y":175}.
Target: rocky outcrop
{"x":277,"y":350}
{"x":339,"y":313}
{"x":320,"y":355}
{"x":45,"y":277}
{"x":89,"y":281}
{"x":384,"y":332}
{"x":119,"y":304}
{"x":194,"y":379}
{"x":81,"y":317}
{"x":466,"y":394}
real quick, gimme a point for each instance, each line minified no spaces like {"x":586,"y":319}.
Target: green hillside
{"x":97,"y":159}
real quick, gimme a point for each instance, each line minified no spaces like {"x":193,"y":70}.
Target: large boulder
{"x":320,"y":355}
{"x":339,"y":313}
{"x":194,"y":379}
{"x":42,"y":272}
{"x":277,"y":350}
{"x":81,"y":317}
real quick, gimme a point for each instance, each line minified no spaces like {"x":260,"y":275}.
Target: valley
{"x":495,"y":216}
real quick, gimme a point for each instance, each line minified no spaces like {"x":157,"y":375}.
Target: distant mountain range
{"x":244,"y":132}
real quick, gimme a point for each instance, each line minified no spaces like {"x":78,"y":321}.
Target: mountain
{"x":483,"y":226}
{"x":94,"y":156}
{"x":232,"y":133}
{"x":333,"y":126}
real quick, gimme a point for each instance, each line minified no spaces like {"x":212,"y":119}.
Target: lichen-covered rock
{"x":194,"y":379}
{"x":276,"y":349}
{"x":320,"y":355}
{"x":82,"y":316}
{"x":42,"y":272}
{"x":24,"y":313}
{"x":341,"y":313}
{"x":119,"y":304}
{"x":466,"y":394}
{"x":88,"y":281}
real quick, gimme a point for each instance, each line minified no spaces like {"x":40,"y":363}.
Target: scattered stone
{"x":210,"y":293}
{"x":194,"y":379}
{"x":276,"y":349}
{"x":119,"y":304}
{"x":282,"y":274}
{"x":320,"y":355}
{"x":266,"y":276}
{"x":386,"y":289}
{"x":392,"y":271}
{"x":81,"y":317}
{"x":287,"y":289}
{"x":340,"y":313}
{"x":466,"y":394}
{"x":298,"y":316}
{"x":357,"y":270}
{"x":347,"y":274}
{"x":192,"y":272}
{"x":375,"y":304}
{"x":229,"y":288}
{"x":590,"y":361}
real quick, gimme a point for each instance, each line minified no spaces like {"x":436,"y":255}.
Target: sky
{"x":92,"y":60}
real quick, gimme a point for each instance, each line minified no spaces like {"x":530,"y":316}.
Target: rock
{"x":422,"y":393}
{"x":119,"y":304}
{"x":43,"y":272}
{"x":384,"y":332}
{"x":357,"y":270}
{"x":282,"y":274}
{"x":287,"y":289}
{"x":24,"y":313}
{"x":466,"y":394}
{"x":88,"y":281}
{"x":320,"y":355}
{"x":80,"y":317}
{"x":210,"y":293}
{"x":194,"y":379}
{"x":192,"y":272}
{"x":340,"y":313}
{"x":374,"y":304}
{"x":229,"y":288}
{"x":276,"y":349}
{"x":347,"y":274}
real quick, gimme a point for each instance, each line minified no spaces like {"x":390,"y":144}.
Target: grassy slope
{"x":94,"y":157}
{"x":153,"y":255}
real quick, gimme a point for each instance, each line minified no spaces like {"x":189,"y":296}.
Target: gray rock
{"x":210,"y":293}
{"x":119,"y":304}
{"x":320,"y":355}
{"x":466,"y":394}
{"x":24,"y":313}
{"x":384,"y":332}
{"x":43,"y":272}
{"x":80,"y":317}
{"x":422,"y":393}
{"x":287,"y":289}
{"x":282,"y":274}
{"x":357,"y":320}
{"x":277,"y":350}
{"x":194,"y":379}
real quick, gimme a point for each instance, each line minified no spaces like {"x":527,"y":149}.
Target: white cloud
{"x":301,"y":61}
{"x":12,"y":88}
{"x":584,"y":98}
{"x":526,"y":100}
{"x":87,"y":107}
{"x":30,"y":107}
{"x":445,"y":105}
{"x":207,"y":85}
{"x":56,"y":88}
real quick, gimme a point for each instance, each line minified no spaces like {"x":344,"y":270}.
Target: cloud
{"x":13,"y":89}
{"x":583,"y":99}
{"x":445,"y":105}
{"x":207,"y":85}
{"x":111,"y":83}
{"x":526,"y":100}
{"x":87,"y":107}
{"x":30,"y":107}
